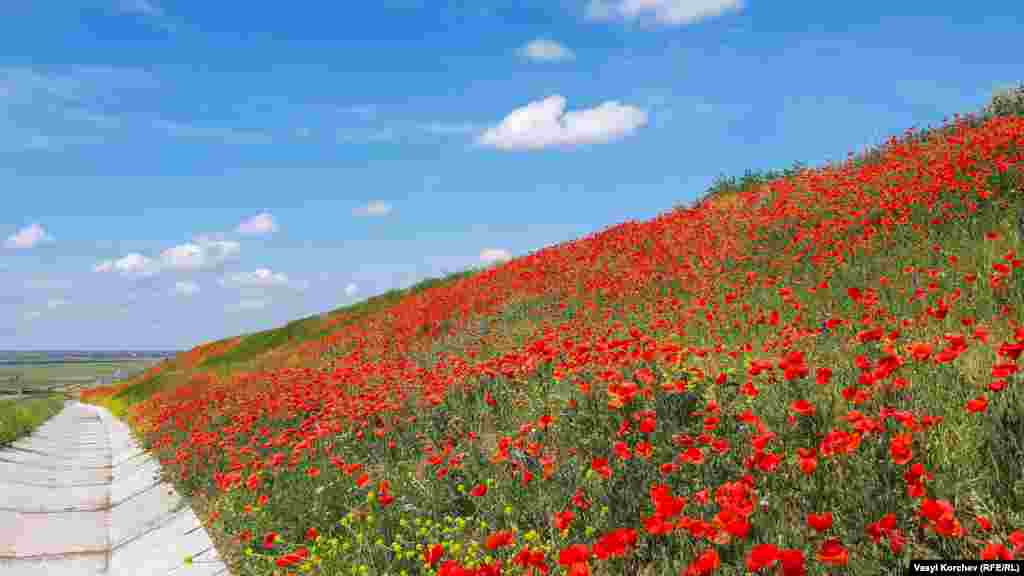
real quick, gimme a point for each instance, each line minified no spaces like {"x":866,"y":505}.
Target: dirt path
{"x":80,"y":498}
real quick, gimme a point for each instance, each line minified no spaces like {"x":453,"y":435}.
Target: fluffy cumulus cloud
{"x":545,"y":50}
{"x":351,"y":289}
{"x":260,"y":278}
{"x":668,"y":12}
{"x":186,"y":288}
{"x":494,"y":255}
{"x":133,"y":264}
{"x":203,"y":254}
{"x":28,"y":237}
{"x":258,"y":225}
{"x":375,"y":208}
{"x":545,"y":123}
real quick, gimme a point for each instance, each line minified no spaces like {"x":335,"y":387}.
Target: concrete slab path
{"x":79,"y":497}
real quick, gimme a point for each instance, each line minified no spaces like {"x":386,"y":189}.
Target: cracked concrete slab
{"x":79,"y":497}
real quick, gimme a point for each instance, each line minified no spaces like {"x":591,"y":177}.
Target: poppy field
{"x":814,"y":372}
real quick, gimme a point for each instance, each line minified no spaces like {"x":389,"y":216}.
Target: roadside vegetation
{"x":19,"y":417}
{"x":814,"y":371}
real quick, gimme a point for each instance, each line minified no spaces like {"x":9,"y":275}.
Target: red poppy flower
{"x":762,"y":556}
{"x":615,"y":544}
{"x":977,"y":405}
{"x":432,"y":554}
{"x":994,"y":551}
{"x":574,"y":559}
{"x":622,"y":450}
{"x":900,"y":448}
{"x":500,"y":539}
{"x":820,"y":522}
{"x":822,"y":376}
{"x":563,"y":519}
{"x":802,"y":407}
{"x":833,"y":553}
{"x":792,"y":562}
{"x":704,"y":565}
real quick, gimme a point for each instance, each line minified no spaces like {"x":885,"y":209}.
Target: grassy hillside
{"x":809,"y":371}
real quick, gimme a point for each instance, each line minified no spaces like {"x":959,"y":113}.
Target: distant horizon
{"x":73,"y":350}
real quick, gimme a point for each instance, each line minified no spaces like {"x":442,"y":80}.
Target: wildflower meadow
{"x":807,"y":372}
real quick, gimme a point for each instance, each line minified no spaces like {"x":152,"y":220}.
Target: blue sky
{"x":174,"y":172}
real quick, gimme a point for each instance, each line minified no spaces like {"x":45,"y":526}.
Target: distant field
{"x":38,"y":356}
{"x":47,"y":373}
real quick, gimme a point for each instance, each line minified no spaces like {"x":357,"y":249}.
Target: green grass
{"x":141,"y":390}
{"x":35,"y":374}
{"x":20,"y":417}
{"x":254,"y":345}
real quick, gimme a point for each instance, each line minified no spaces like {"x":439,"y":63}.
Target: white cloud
{"x":545,"y":123}
{"x":133,"y":264}
{"x":183,"y":257}
{"x":375,"y":208}
{"x":260,"y":224}
{"x":260,"y":278}
{"x":207,"y":238}
{"x":351,"y":289}
{"x":186,"y":288}
{"x":669,"y":12}
{"x":544,"y":50}
{"x":201,"y":255}
{"x":28,"y":237}
{"x":494,"y":255}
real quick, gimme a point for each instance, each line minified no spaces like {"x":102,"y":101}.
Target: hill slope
{"x":803,"y":371}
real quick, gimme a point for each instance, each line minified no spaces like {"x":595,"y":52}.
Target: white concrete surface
{"x":79,"y":497}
